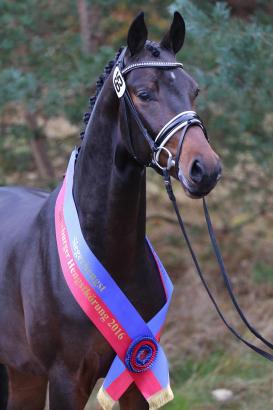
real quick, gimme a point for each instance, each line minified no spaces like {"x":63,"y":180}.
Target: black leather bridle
{"x":183,"y":121}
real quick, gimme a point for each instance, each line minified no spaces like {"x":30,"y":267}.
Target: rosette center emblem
{"x":141,"y":354}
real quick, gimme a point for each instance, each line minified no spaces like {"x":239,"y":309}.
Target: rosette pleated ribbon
{"x":140,"y":358}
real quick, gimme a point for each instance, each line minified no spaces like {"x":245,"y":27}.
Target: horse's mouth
{"x":194,"y":194}
{"x":192,"y":191}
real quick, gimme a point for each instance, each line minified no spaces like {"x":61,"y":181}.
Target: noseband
{"x":182,"y":121}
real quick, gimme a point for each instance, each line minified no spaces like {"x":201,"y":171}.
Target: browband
{"x":157,"y":64}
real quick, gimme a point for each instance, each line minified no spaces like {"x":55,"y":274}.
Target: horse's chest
{"x":147,"y":296}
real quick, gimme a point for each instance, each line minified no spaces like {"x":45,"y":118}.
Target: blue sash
{"x":140,"y":358}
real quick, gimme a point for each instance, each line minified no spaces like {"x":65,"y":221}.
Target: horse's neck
{"x":110,"y":193}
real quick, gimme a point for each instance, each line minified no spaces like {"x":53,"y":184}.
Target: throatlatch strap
{"x":140,"y":358}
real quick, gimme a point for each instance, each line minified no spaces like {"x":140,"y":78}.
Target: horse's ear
{"x":137,"y":34}
{"x":174,"y":38}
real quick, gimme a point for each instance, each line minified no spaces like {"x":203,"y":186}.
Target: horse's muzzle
{"x":201,"y":178}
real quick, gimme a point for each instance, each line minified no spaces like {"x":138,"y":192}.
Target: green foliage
{"x":43,"y":71}
{"x":42,"y":66}
{"x":235,"y":72}
{"x":193,"y":368}
{"x":246,"y":375}
{"x":262,"y":273}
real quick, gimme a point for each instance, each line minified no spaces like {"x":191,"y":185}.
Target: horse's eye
{"x":144,"y":95}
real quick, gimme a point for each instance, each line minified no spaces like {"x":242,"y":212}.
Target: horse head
{"x":159,"y":95}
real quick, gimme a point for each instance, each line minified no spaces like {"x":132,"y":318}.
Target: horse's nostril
{"x":196,"y":171}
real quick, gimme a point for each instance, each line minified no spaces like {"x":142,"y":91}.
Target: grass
{"x":249,"y":377}
{"x":262,"y":273}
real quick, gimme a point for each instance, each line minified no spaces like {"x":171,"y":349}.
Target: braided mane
{"x":99,"y":84}
{"x":150,"y":46}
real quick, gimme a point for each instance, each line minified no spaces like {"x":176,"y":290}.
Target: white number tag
{"x":118,"y":82}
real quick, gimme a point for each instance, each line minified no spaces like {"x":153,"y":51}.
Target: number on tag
{"x":118,"y":82}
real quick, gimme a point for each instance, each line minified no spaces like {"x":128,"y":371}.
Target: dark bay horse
{"x":44,"y":334}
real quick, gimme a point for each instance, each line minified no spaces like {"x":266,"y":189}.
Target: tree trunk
{"x":242,"y":8}
{"x":38,"y":148}
{"x":42,"y":161}
{"x":89,"y":16}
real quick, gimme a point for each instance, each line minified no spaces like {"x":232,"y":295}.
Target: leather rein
{"x":183,"y":121}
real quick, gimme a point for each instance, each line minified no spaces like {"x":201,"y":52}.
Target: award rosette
{"x":141,"y":354}
{"x":140,"y":359}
